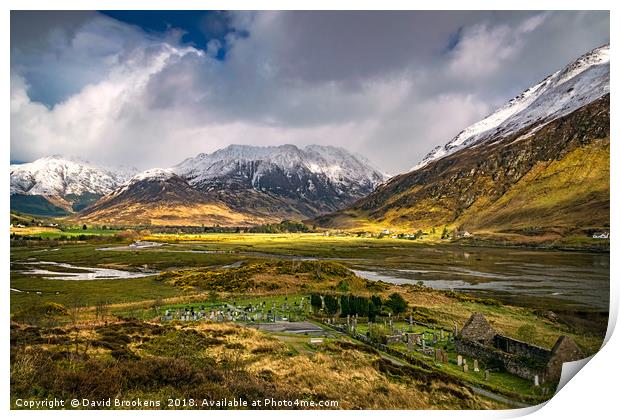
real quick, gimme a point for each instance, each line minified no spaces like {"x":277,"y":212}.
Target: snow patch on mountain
{"x":576,"y":85}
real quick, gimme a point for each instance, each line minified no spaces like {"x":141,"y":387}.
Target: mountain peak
{"x":577,"y":84}
{"x":335,"y":163}
{"x":58,"y":176}
{"x":155,"y":174}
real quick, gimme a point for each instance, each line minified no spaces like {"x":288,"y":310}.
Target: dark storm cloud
{"x":389,"y":85}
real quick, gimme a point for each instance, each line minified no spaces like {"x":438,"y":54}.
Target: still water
{"x":541,"y":278}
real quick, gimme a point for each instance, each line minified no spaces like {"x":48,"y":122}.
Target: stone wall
{"x":564,"y":350}
{"x":519,"y":365}
{"x":519,"y":348}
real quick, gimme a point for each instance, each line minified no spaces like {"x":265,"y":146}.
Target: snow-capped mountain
{"x":60,"y":176}
{"x":335,"y":164}
{"x":262,"y":183}
{"x":316,"y":178}
{"x":57,"y":185}
{"x":150,"y":175}
{"x":538,"y":167}
{"x":576,"y":85}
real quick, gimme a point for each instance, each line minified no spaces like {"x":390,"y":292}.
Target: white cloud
{"x":484,"y":48}
{"x":141,"y":100}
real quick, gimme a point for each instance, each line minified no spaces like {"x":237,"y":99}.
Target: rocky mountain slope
{"x":160,"y":197}
{"x":559,"y":94}
{"x":295,"y":182}
{"x":543,"y":170}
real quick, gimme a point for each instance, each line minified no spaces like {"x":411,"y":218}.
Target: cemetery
{"x":475,"y":353}
{"x":274,"y":309}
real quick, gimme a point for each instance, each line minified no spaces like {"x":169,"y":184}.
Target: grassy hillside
{"x":562,"y":195}
{"x":36,"y":205}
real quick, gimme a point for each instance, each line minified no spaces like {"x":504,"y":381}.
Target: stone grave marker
{"x":487,"y":375}
{"x":459,"y":360}
{"x":476,"y":368}
{"x":465,"y":368}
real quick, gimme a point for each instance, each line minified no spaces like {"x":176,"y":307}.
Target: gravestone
{"x":441,"y":356}
{"x":459,"y":360}
{"x":487,"y":375}
{"x":465,"y":368}
{"x":536,"y":381}
{"x":476,"y":368}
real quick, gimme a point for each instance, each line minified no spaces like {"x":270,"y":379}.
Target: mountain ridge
{"x":258,"y":184}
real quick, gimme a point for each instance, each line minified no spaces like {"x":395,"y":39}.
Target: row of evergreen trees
{"x":358,"y":305}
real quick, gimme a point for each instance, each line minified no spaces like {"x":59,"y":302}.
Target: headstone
{"x":536,"y":381}
{"x":438,"y":355}
{"x":476,"y":368}
{"x":410,"y":345}
{"x":487,"y":375}
{"x":445,"y":357}
{"x":465,"y":368}
{"x":459,"y":360}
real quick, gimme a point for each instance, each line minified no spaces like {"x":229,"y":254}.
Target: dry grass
{"x":237,"y":359}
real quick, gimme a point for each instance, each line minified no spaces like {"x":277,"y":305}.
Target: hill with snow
{"x":537,"y":169}
{"x":55,"y":184}
{"x":303,"y":181}
{"x":559,"y":94}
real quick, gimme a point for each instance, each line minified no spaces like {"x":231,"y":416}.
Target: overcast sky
{"x":148,"y":89}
